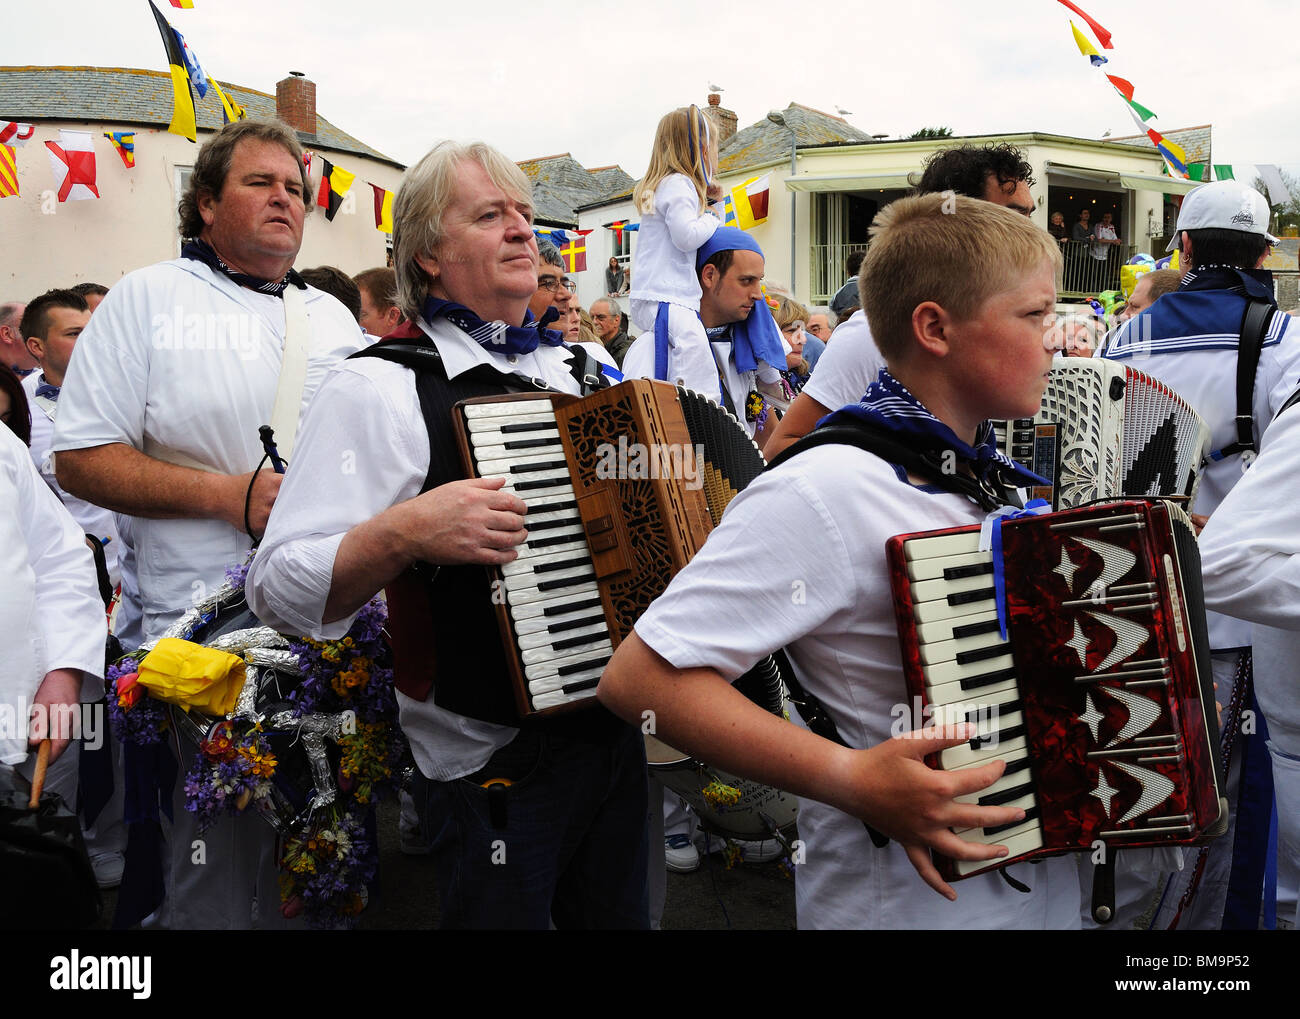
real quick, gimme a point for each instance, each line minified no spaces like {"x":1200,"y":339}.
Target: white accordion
{"x":1106,"y":430}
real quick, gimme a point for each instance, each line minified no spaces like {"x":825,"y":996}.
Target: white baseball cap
{"x":1223,"y":205}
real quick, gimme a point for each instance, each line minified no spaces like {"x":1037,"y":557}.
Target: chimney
{"x":295,"y":102}
{"x":723,"y":120}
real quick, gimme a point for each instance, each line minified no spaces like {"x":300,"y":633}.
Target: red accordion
{"x":1099,"y":698}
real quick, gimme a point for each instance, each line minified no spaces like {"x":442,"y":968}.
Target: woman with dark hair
{"x":613,"y":277}
{"x":14,"y":410}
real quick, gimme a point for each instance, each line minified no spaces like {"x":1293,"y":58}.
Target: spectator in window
{"x":615,"y":278}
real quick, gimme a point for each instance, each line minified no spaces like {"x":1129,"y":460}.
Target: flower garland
{"x":326,"y":858}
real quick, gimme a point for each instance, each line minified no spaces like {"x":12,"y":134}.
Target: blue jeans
{"x":565,"y":842}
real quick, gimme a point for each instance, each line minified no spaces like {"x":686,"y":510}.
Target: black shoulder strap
{"x":1254,"y":326}
{"x":891,"y":450}
{"x":421,"y":355}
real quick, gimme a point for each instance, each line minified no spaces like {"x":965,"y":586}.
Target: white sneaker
{"x":108,"y":869}
{"x":680,"y":855}
{"x":760,"y":852}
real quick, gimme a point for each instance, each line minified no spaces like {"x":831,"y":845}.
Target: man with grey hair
{"x":529,"y":825}
{"x":607,"y":317}
{"x":13,"y":351}
{"x":554,"y":287}
{"x":159,"y":416}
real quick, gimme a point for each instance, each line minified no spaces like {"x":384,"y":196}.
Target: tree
{"x":1285,"y":213}
{"x":930,"y":132}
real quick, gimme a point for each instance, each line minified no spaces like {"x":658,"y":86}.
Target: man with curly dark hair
{"x":995,"y":173}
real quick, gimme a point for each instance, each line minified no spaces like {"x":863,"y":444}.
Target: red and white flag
{"x":72,"y":160}
{"x":14,"y":134}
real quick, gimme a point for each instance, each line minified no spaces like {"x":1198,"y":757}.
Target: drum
{"x":734,"y":808}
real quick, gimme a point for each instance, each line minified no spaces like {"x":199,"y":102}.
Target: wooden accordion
{"x":622,"y":488}
{"x":1100,"y":698}
{"x":1106,"y":430}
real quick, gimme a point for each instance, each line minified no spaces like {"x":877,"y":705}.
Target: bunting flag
{"x":1122,"y":85}
{"x":182,"y":5}
{"x":1223,"y":171}
{"x":72,"y":160}
{"x":750,"y":201}
{"x":124,"y":142}
{"x":335,"y":182}
{"x":383,"y":209}
{"x":1141,"y":110}
{"x":728,"y":210}
{"x":1086,"y":47}
{"x":553,"y":234}
{"x":1171,"y":151}
{"x":231,"y":111}
{"x":8,"y":172}
{"x":15,"y":134}
{"x":1102,"y":35}
{"x":183,"y":119}
{"x":622,"y":225}
{"x":1197,"y":171}
{"x":574,"y":253}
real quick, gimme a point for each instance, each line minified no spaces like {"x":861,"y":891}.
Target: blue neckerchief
{"x":497,"y":337}
{"x":48,"y":391}
{"x":890,"y":408}
{"x":1251,"y":282}
{"x":201,"y":251}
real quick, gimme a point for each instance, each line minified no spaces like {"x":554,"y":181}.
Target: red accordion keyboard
{"x":1100,"y":697}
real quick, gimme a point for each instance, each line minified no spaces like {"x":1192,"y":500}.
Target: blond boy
{"x":959,"y":294}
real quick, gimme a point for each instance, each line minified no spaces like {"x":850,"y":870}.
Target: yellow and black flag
{"x":335,"y":183}
{"x":183,"y":120}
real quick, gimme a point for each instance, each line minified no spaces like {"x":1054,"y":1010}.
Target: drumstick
{"x":38,"y":776}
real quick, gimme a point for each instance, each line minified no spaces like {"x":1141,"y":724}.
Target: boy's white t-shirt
{"x":832,"y":609}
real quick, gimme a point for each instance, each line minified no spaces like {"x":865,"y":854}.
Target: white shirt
{"x":51,"y":616}
{"x":639,"y":363}
{"x":369,"y":408}
{"x":1102,"y":232}
{"x":833,"y":611}
{"x":848,"y":367}
{"x":1250,"y":559}
{"x":94,"y":520}
{"x":1206,"y":379}
{"x":180,"y":358}
{"x":667,"y":242}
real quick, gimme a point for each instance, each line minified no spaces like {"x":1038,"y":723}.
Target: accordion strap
{"x":924,"y":465}
{"x":1254,"y":325}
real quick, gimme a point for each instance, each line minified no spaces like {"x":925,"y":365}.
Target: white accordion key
{"x":1026,"y":840}
{"x":570,"y":588}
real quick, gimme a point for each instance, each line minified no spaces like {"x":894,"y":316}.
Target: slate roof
{"x":1195,"y":141}
{"x":561,"y":185}
{"x":764,"y":141}
{"x":128,"y":95}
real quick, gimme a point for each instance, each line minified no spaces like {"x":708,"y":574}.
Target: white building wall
{"x":134,"y":221}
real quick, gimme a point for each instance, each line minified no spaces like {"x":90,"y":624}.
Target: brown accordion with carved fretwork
{"x":1097,"y":693}
{"x":622,"y":488}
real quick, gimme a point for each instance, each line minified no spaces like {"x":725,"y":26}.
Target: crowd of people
{"x":130,"y":475}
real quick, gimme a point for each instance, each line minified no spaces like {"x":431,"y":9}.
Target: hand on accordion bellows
{"x":467,"y":522}
{"x":915,"y":804}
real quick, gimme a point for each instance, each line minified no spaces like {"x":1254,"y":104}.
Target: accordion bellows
{"x":1106,"y":430}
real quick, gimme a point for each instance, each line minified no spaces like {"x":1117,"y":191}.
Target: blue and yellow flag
{"x":1086,"y":47}
{"x":183,"y":119}
{"x":124,"y":142}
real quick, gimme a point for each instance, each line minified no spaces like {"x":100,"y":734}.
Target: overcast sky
{"x":592,"y":78}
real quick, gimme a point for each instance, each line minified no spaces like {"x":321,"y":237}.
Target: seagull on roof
{"x":716,"y":88}
{"x":842,"y":111}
